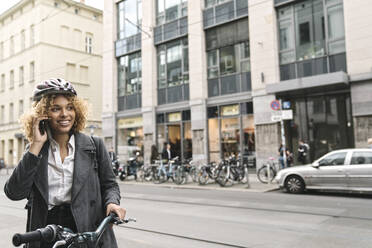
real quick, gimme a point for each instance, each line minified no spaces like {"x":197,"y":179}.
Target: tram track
{"x":183,"y":237}
{"x":287,"y":211}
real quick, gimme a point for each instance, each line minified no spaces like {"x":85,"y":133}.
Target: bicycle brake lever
{"x":118,"y":221}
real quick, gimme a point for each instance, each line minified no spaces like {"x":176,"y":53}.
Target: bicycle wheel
{"x":178,"y":176}
{"x":224,"y":178}
{"x":140,"y":175}
{"x":203,"y":178}
{"x":263,"y":174}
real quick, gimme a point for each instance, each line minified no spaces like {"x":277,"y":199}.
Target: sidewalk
{"x":254,"y":185}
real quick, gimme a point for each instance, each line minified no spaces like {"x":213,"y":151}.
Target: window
{"x":129,"y":18}
{"x":23,"y":39}
{"x":11,"y":112}
{"x":76,"y":10}
{"x":32,"y":35}
{"x":364,"y":157}
{"x":88,"y":43}
{"x":11,"y":45}
{"x":130,"y":74}
{"x":173,"y":63}
{"x":333,"y":159}
{"x":21,"y":75}
{"x":302,"y":28}
{"x":65,"y":32}
{"x":11,"y":79}
{"x":1,"y":50}
{"x":20,"y":108}
{"x":32,"y":71}
{"x":2,"y":88}
{"x":169,"y":10}
{"x":84,"y":74}
{"x":71,"y":72}
{"x":2,"y":114}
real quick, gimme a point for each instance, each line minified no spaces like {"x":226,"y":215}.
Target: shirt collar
{"x":71,"y":143}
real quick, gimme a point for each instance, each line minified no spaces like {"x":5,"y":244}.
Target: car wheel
{"x":294,"y":184}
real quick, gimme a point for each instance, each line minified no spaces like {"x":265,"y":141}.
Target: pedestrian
{"x":114,"y":159}
{"x":370,"y":143}
{"x":281,"y":156}
{"x":302,"y":152}
{"x":64,"y":182}
{"x":154,"y":154}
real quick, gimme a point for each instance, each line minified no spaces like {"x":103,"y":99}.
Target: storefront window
{"x":323,"y":122}
{"x":231,"y":132}
{"x":175,"y":128}
{"x":230,"y":137}
{"x":214,"y":140}
{"x":130,"y":137}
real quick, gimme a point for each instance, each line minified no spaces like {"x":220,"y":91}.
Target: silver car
{"x":346,"y":170}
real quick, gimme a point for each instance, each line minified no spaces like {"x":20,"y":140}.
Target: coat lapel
{"x":41,"y":177}
{"x":84,"y":151}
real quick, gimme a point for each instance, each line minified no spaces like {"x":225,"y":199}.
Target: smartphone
{"x":42,"y":126}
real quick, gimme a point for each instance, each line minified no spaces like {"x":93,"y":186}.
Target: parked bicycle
{"x":165,"y":171}
{"x":66,"y":237}
{"x":182,"y":171}
{"x":266,"y":175}
{"x":207,"y":173}
{"x":232,"y":170}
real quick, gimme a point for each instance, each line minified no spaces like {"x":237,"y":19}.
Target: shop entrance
{"x":323,"y":122}
{"x":175,"y":128}
{"x":174,"y":139}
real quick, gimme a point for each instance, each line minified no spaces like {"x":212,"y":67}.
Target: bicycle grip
{"x":47,"y":233}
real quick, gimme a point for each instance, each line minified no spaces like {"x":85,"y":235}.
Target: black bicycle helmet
{"x":53,"y":86}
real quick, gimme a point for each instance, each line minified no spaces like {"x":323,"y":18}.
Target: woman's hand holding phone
{"x":39,"y":134}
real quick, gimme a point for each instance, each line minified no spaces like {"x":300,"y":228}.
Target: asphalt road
{"x":180,"y":217}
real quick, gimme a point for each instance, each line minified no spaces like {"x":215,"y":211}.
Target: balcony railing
{"x":225,"y":12}
{"x":229,"y":84}
{"x":129,"y":102}
{"x":312,"y":67}
{"x":170,"y":30}
{"x":173,"y":94}
{"x":128,"y":45}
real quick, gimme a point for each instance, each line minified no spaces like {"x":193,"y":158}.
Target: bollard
{"x":247,"y":175}
{"x":268,"y":173}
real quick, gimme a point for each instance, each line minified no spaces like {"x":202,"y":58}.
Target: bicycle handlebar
{"x":46,"y":234}
{"x":50,"y":232}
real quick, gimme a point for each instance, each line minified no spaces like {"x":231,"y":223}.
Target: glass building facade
{"x":311,"y":38}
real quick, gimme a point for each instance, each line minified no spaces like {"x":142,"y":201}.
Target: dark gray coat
{"x":92,"y":188}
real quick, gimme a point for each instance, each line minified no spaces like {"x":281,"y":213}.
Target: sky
{"x":7,"y":4}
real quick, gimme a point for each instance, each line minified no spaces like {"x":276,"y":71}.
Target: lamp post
{"x":91,"y":128}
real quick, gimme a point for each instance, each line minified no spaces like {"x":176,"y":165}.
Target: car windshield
{"x":333,"y":159}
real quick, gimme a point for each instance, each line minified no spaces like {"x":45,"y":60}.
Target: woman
{"x":65,"y":175}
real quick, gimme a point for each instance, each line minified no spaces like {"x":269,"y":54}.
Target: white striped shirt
{"x":60,"y":174}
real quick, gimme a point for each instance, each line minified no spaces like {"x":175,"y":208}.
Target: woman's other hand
{"x":114,"y":208}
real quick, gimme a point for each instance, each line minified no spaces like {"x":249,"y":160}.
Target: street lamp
{"x":91,"y":128}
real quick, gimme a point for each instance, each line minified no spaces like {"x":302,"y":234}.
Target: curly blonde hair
{"x":42,"y":107}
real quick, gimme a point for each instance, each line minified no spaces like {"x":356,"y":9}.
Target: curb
{"x":197,"y":187}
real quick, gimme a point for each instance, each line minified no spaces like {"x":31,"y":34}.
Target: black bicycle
{"x":66,"y":237}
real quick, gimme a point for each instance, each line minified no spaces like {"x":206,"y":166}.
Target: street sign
{"x":275,"y":105}
{"x":276,"y":118}
{"x":287,"y":114}
{"x":286,"y":105}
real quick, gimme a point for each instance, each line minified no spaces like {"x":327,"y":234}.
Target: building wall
{"x":50,"y":53}
{"x":358,"y":37}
